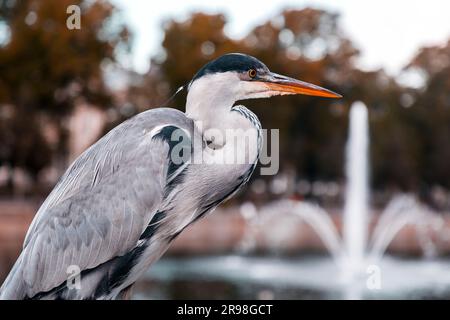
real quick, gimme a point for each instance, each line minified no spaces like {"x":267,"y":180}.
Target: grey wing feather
{"x":101,"y":205}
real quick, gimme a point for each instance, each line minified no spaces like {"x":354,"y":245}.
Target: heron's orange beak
{"x":286,"y":85}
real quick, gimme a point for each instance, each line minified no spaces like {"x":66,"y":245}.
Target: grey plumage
{"x":120,"y":204}
{"x":102,"y":205}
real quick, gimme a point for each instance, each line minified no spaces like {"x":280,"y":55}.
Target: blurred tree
{"x":189,"y":45}
{"x":430,"y":112}
{"x":45,"y":69}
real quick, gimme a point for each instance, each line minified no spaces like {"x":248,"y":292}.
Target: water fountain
{"x":352,"y":252}
{"x":355,"y":257}
{"x":355,"y":211}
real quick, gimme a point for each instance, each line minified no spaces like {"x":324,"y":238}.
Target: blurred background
{"x":61,"y":89}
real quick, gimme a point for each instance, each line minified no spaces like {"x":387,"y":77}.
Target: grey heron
{"x":120,"y":204}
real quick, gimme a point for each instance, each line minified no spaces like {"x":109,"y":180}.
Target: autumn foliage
{"x":45,"y":69}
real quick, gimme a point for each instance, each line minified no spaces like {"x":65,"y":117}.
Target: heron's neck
{"x":209,"y":102}
{"x":211,"y":114}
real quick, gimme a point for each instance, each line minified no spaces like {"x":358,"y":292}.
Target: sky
{"x":388,"y":32}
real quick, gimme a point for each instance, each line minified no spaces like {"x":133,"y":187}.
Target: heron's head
{"x":236,"y":76}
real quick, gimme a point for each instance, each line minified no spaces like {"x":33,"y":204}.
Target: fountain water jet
{"x":355,"y":251}
{"x":345,"y":275}
{"x":355,"y":218}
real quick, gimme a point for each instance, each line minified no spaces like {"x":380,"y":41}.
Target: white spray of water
{"x":357,"y":193}
{"x":353,"y":253}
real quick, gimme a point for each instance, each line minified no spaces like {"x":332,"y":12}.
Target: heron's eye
{"x":252,"y":73}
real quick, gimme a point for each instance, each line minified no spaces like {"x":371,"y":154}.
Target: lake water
{"x":312,"y":277}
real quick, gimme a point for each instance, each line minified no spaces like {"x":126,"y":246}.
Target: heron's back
{"x":99,"y":208}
